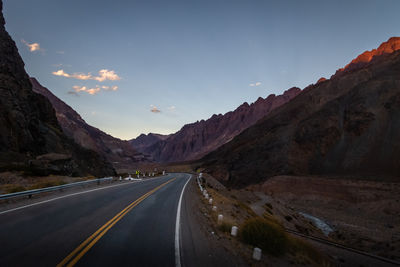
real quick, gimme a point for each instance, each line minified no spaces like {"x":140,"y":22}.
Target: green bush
{"x":267,"y":235}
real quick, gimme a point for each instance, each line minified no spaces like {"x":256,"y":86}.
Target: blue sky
{"x":186,"y":59}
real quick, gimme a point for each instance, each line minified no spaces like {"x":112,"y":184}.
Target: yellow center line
{"x":91,"y":240}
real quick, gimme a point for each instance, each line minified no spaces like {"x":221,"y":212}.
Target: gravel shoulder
{"x":201,"y":244}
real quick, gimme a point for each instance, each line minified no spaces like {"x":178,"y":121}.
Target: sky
{"x":132,"y":67}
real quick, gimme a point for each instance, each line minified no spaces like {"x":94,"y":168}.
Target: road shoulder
{"x":200,"y":243}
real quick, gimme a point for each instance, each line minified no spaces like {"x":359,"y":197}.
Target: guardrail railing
{"x":53,"y":188}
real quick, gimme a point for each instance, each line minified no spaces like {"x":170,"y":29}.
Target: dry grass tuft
{"x":267,"y":235}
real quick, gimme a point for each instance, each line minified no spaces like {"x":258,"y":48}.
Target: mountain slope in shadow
{"x":120,"y":153}
{"x":347,"y":125}
{"x":30,"y":137}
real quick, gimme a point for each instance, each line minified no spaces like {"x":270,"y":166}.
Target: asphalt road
{"x":127,"y":225}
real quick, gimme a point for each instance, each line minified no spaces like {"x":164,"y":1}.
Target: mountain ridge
{"x":145,"y":140}
{"x":196,"y":139}
{"x":334,"y":127}
{"x":388,"y":47}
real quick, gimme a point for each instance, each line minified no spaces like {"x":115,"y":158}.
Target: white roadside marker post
{"x":234,"y":231}
{"x":220,"y":218}
{"x":257,"y":254}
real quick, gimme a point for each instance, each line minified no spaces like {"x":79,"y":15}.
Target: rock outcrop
{"x":120,"y":153}
{"x":348,"y":125}
{"x":195,"y":140}
{"x":30,"y":136}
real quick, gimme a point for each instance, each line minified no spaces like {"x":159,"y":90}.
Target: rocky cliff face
{"x":348,"y":125}
{"x":197,"y":139}
{"x":120,"y":153}
{"x":30,"y":136}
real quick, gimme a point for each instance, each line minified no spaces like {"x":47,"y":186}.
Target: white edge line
{"x":177,"y":228}
{"x":74,"y":194}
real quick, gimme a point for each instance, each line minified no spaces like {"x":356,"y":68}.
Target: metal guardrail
{"x":52,"y":188}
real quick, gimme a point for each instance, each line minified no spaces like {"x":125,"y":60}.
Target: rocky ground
{"x":237,"y":206}
{"x":356,"y":210}
{"x":364,"y":214}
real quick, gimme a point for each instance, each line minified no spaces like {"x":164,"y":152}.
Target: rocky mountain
{"x":347,"y":125}
{"x":120,"y":153}
{"x":195,"y":140}
{"x":144,"y":141}
{"x":30,"y":136}
{"x":388,"y":47}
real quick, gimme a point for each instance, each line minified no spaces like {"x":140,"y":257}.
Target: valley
{"x":311,"y":176}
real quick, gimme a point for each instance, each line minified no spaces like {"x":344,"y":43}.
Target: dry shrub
{"x":225,"y":227}
{"x":306,"y":253}
{"x":267,"y":235}
{"x":44,"y":184}
{"x":13,"y":188}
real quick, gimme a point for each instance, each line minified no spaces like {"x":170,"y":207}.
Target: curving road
{"x":131,"y":224}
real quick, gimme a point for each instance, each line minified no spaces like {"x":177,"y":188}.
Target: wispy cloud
{"x":110,"y":88}
{"x":79,"y":76}
{"x":107,"y":75}
{"x":33,"y":47}
{"x":103,"y":75}
{"x":171,"y":108}
{"x":91,"y":91}
{"x":154,"y":109}
{"x":73,"y":93}
{"x":60,"y":65}
{"x":255,"y":84}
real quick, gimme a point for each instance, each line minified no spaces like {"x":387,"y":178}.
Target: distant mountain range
{"x":195,"y":140}
{"x":120,"y":153}
{"x":143,"y":141}
{"x":31,"y":138}
{"x":347,"y":125}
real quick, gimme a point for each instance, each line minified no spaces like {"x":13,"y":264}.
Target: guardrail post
{"x":257,"y":254}
{"x":234,"y":231}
